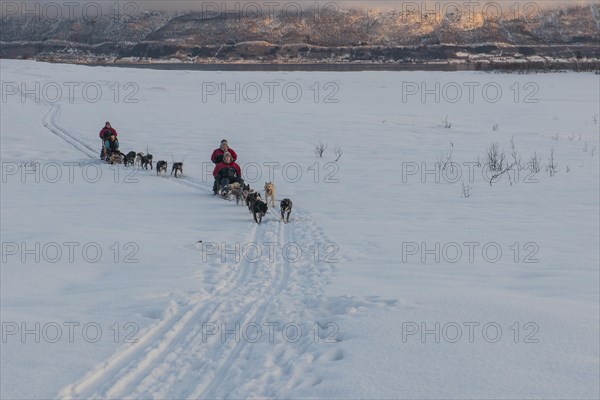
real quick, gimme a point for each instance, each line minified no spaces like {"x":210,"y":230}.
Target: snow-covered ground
{"x":386,"y":283}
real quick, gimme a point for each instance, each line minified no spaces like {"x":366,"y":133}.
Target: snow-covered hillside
{"x":394,"y":278}
{"x":300,"y":32}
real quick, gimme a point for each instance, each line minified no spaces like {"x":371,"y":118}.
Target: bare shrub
{"x":447,"y":124}
{"x":513,"y":152}
{"x":466,"y":190}
{"x":444,"y":161}
{"x":552,"y":167}
{"x":496,"y":161}
{"x":338,"y":153}
{"x":320,"y":148}
{"x":534,"y":164}
{"x":495,"y":158}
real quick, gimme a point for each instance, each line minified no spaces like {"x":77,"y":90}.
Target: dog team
{"x":229,"y":183}
{"x":227,"y":174}
{"x":111,"y":154}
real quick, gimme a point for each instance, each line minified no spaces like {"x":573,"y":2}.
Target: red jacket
{"x":217,"y":155}
{"x":222,"y":165}
{"x":106,"y":132}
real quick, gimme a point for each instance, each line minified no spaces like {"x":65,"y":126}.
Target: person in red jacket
{"x":227,"y":172}
{"x":217,"y":157}
{"x":105,"y":134}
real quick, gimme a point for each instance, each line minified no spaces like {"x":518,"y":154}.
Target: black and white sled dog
{"x":252,"y":196}
{"x":286,"y":208}
{"x":161,"y":166}
{"x":145,"y":160}
{"x":129,"y":158}
{"x":177,"y":167}
{"x":245,"y":192}
{"x":259,"y":209}
{"x":138,"y":160}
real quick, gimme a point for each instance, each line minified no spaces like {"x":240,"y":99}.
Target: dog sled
{"x":115,"y":158}
{"x":234,"y":190}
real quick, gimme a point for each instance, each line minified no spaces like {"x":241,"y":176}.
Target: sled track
{"x":173,"y":359}
{"x":50,"y":123}
{"x":280,"y":282}
{"x":288,"y":364}
{"x":193,"y":183}
{"x":174,"y":347}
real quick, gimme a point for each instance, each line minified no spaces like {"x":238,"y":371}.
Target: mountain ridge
{"x":341,"y":36}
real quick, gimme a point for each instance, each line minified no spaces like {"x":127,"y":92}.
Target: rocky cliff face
{"x":346,"y":35}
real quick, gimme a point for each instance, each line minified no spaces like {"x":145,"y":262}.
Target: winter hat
{"x":224,"y":141}
{"x":226,"y":154}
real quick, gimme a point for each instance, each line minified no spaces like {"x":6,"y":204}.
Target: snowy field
{"x":403,"y":272}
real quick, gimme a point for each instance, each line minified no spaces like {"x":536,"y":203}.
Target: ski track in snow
{"x":173,"y":359}
{"x":50,"y":122}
